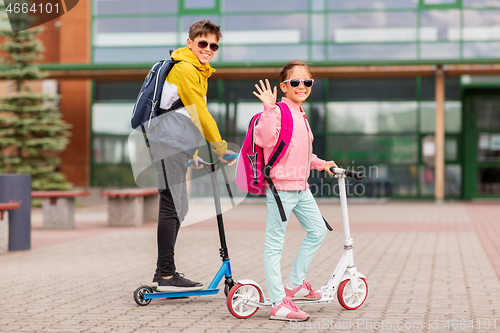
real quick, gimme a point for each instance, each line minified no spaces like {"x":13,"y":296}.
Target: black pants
{"x":173,"y":208}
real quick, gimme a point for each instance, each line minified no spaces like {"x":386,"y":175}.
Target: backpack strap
{"x":285,"y":136}
{"x":267,"y":171}
{"x":284,"y":140}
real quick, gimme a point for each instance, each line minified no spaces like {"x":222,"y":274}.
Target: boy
{"x":185,"y":125}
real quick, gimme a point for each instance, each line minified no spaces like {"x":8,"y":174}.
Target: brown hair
{"x":203,"y":27}
{"x":288,"y":67}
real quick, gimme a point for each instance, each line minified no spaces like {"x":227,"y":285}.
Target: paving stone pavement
{"x":427,"y":265}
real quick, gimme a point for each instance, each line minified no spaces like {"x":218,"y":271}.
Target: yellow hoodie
{"x":188,"y":80}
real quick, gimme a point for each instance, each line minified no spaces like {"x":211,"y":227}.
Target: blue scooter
{"x":144,"y":294}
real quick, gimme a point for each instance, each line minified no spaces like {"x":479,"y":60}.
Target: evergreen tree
{"x":32,"y":133}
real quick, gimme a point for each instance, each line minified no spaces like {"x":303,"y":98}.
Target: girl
{"x":290,"y":179}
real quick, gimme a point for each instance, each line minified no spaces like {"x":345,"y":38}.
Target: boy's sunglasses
{"x":294,"y":83}
{"x":203,"y":45}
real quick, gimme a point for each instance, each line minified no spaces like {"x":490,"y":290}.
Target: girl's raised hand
{"x":265,"y":93}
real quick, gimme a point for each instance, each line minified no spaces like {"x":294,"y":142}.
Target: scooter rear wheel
{"x":237,"y":297}
{"x":347,"y":298}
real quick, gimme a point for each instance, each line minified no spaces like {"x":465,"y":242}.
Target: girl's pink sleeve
{"x":317,"y":163}
{"x":268,"y":128}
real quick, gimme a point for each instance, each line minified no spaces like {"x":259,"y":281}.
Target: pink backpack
{"x":251,"y":171}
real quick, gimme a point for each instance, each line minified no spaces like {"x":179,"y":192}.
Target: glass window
{"x":112,"y":118}
{"x":135,"y":24}
{"x":318,"y":27}
{"x":371,"y":4}
{"x":372,"y":27}
{"x":452,"y":179}
{"x":371,"y":149}
{"x":318,"y":90}
{"x":212,"y":91}
{"x":439,"y":50}
{"x":488,"y":181}
{"x":429,"y":149}
{"x":106,"y":91}
{"x":372,"y":117}
{"x":244,"y":113}
{"x":130,"y":55}
{"x":402,"y":51}
{"x":187,"y":20}
{"x":441,"y":20}
{"x":263,"y":5}
{"x":482,"y":50}
{"x":318,"y":52}
{"x":440,"y":2}
{"x":317,"y":119}
{"x":481,"y":25}
{"x":199,"y":4}
{"x":108,"y":149}
{"x":372,"y":89}
{"x":272,"y":29}
{"x":451,"y":89}
{"x":242,"y":90}
{"x":113,"y":176}
{"x":481,"y":3}
{"x":451,"y":149}
{"x":116,"y":7}
{"x":488,"y":114}
{"x":130,"y":39}
{"x":453,"y":116}
{"x":218,"y":112}
{"x":281,"y":53}
{"x":318,"y":5}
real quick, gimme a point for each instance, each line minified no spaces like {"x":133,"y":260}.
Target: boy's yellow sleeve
{"x":192,"y":95}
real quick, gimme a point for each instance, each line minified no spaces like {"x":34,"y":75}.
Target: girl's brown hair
{"x":288,"y":67}
{"x":203,"y":27}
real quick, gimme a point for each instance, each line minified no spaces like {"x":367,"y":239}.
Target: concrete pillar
{"x":125,"y":212}
{"x":4,"y":232}
{"x":58,"y":213}
{"x":439,"y":136}
{"x":151,"y":206}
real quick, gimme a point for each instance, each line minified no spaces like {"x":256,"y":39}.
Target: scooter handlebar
{"x":228,"y":158}
{"x":231,"y":157}
{"x":348,"y":173}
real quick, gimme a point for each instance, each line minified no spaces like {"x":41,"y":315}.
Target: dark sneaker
{"x":178,"y":283}
{"x":156,"y":279}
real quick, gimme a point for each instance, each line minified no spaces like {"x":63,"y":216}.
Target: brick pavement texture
{"x":427,"y":265}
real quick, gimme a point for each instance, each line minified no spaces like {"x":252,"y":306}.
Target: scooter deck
{"x":172,"y":294}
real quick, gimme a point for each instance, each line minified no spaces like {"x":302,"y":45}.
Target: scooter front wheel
{"x":238,"y":297}
{"x":346,"y":296}
{"x":139,"y":295}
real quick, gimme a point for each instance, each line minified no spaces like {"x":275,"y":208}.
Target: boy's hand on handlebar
{"x":328,"y":165}
{"x":265,"y":93}
{"x":195,"y":161}
{"x":228,"y":152}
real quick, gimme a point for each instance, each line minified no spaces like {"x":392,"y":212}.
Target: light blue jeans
{"x":303,"y":205}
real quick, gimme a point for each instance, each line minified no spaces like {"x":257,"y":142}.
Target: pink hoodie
{"x":292,"y":171}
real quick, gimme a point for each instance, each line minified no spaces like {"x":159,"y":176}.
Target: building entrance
{"x":482,"y":143}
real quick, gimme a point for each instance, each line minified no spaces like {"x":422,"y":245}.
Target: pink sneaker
{"x":303,"y":292}
{"x":288,"y":311}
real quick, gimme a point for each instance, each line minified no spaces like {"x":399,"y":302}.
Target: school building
{"x":406,"y":90}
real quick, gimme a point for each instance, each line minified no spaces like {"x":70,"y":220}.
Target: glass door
{"x":482,"y":136}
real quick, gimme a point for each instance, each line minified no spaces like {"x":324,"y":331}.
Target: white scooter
{"x":246,"y":296}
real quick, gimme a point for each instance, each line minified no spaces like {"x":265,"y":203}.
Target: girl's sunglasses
{"x":294,"y":83}
{"x":203,"y":45}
